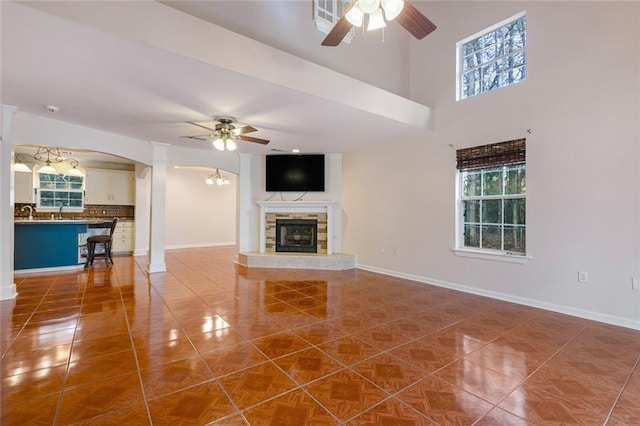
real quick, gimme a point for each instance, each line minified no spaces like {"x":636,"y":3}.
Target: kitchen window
{"x":491,"y":206}
{"x":56,"y":190}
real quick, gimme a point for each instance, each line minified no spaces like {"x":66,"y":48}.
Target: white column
{"x":143,"y":207}
{"x":158,"y":208}
{"x":7,"y":286}
{"x":245,"y":210}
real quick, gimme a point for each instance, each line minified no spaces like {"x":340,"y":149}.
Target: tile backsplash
{"x":91,"y":211}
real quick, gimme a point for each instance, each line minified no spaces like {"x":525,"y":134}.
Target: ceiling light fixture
{"x":74,"y":171}
{"x":374,"y":9}
{"x":224,"y":143}
{"x":19,"y":165}
{"x":217,"y":178}
{"x":49,"y":151}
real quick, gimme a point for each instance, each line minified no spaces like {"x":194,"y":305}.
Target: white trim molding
{"x":563,"y":309}
{"x":486,"y":255}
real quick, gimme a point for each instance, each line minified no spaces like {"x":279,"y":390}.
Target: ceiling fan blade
{"x":415,"y":22}
{"x":200,"y":125}
{"x":339,"y":30}
{"x":200,"y":138}
{"x":252,"y":139}
{"x":244,"y":129}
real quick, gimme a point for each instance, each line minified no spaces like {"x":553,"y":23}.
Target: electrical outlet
{"x":381,"y":249}
{"x":635,"y":284}
{"x":583,"y":277}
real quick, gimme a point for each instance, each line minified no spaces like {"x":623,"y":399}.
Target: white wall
{"x":288,"y":25}
{"x":581,"y":102}
{"x":198,"y":214}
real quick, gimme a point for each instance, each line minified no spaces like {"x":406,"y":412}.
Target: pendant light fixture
{"x":19,"y":165}
{"x":74,"y":171}
{"x":49,"y":151}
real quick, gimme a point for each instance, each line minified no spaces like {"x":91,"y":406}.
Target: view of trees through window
{"x":494,"y":59}
{"x":60,"y":190}
{"x":493,"y":208}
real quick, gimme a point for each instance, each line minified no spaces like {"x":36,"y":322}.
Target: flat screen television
{"x":292,"y":173}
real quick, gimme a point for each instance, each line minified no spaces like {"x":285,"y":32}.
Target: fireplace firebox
{"x":297,"y":235}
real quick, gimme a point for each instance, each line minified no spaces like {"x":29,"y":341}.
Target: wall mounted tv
{"x":292,"y":173}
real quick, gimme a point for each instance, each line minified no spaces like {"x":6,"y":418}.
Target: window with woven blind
{"x":491,"y":206}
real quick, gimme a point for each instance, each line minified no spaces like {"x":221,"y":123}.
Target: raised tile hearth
{"x":324,"y":258}
{"x":328,"y":262}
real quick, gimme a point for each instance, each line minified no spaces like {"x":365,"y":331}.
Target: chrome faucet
{"x":30,"y":211}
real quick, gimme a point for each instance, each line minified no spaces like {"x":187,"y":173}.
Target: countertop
{"x":63,"y":221}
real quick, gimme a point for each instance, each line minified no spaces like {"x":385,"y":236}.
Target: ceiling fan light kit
{"x":392,"y":8}
{"x":410,"y":18}
{"x":226,"y":134}
{"x":376,"y":20}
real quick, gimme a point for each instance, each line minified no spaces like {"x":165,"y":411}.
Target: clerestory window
{"x":493,"y":58}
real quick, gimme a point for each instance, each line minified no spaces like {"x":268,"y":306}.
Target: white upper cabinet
{"x":110,"y":187}
{"x":23,"y":182}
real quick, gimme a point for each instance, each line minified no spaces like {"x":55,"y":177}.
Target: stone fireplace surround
{"x":271,"y":229}
{"x":324,"y":259}
{"x":320,"y":210}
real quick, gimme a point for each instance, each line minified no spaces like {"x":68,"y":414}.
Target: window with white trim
{"x":491,"y":207}
{"x":493,"y":58}
{"x":56,"y":190}
{"x":326,"y":14}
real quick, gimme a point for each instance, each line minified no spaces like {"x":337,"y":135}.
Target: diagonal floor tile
{"x":196,"y":405}
{"x":349,"y":350}
{"x":256,"y":384}
{"x":293,"y":408}
{"x":391,"y":412}
{"x":97,"y":398}
{"x":444,"y":403}
{"x":231,"y":359}
{"x":308,"y":365}
{"x":346,"y":394}
{"x":23,"y":413}
{"x":539,"y":407}
{"x":390,"y":373}
{"x":163,"y":379}
{"x":478,"y":380}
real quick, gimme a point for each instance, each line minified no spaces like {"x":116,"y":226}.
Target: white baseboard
{"x":8,"y":293}
{"x":563,"y":309}
{"x":51,"y":269}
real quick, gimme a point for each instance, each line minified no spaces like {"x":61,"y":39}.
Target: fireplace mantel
{"x":297,"y":207}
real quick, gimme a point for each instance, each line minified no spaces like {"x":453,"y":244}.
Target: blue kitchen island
{"x":49,"y":243}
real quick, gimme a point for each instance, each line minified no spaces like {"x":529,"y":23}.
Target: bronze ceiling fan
{"x":224,"y":134}
{"x":401,"y":10}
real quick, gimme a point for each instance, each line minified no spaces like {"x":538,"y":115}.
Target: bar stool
{"x":106,"y":241}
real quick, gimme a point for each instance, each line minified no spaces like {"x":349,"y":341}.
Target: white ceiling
{"x":112,"y":83}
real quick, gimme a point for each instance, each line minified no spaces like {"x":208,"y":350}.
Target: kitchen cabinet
{"x":23,"y":185}
{"x":110,"y":187}
{"x":48,"y":244}
{"x":123,"y":237}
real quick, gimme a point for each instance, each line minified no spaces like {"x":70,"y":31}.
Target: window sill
{"x":56,"y":210}
{"x":486,"y":255}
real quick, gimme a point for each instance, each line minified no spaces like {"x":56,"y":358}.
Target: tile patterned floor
{"x":203,"y":344}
